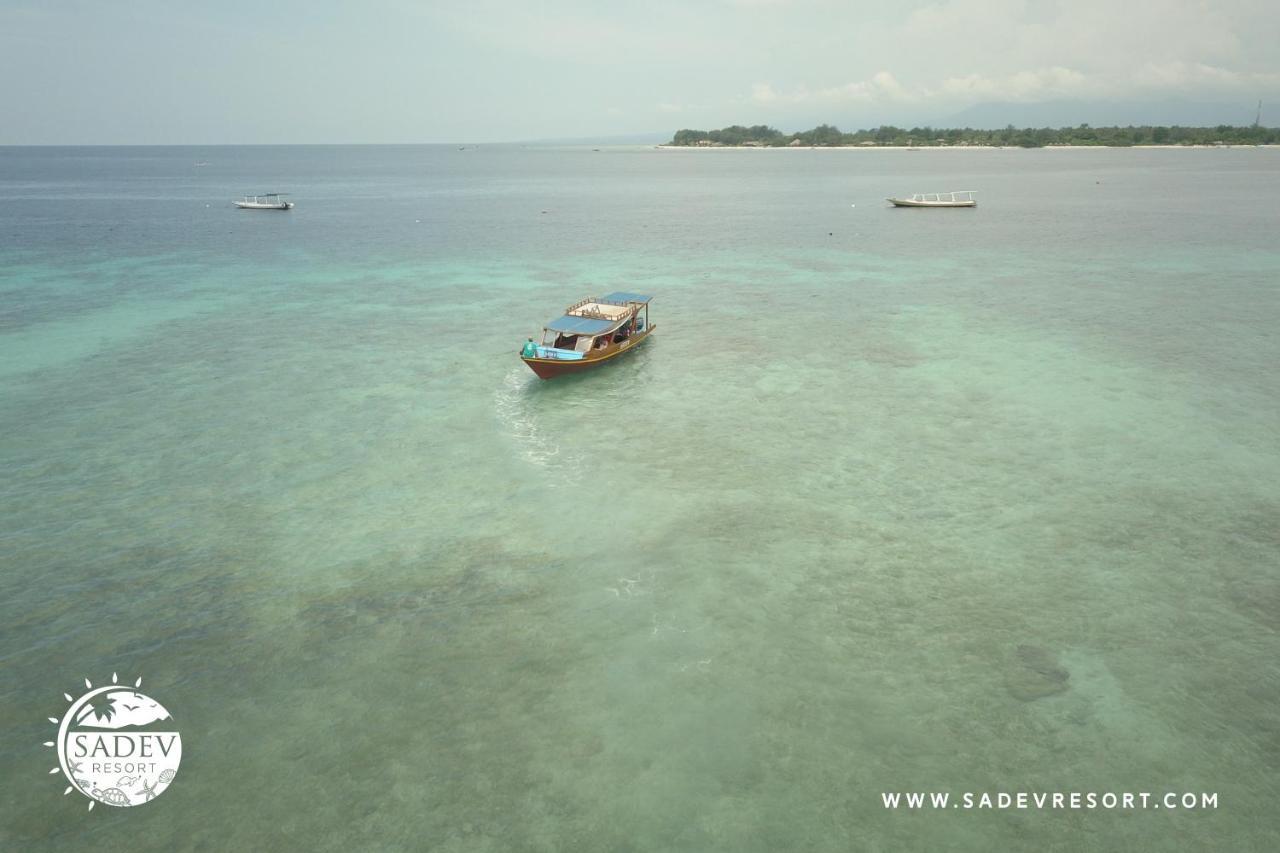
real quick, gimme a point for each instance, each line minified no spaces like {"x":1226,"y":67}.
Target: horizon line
{"x":611,"y":139}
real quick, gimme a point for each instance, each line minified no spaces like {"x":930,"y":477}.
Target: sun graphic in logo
{"x":116,"y":745}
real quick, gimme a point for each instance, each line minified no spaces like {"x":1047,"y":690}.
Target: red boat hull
{"x":550,"y":368}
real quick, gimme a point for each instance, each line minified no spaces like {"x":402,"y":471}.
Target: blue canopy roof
{"x":624,"y":296}
{"x":580,"y":325}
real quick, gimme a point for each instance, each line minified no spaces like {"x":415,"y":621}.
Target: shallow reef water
{"x":963,"y":501}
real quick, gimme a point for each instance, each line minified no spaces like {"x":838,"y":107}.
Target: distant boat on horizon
{"x":266,"y":201}
{"x":960,"y":198}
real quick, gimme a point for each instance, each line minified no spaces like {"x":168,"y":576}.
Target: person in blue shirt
{"x":530,"y":350}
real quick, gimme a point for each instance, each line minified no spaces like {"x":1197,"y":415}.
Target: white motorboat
{"x":960,"y":198}
{"x":266,"y":201}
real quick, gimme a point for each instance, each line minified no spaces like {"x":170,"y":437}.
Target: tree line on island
{"x":827,"y":136}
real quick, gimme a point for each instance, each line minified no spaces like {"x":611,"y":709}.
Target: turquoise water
{"x":840,"y":527}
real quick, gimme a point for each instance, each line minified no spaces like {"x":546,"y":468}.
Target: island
{"x":888,"y":136}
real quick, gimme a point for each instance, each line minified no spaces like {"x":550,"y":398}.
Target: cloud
{"x":501,"y":69}
{"x":574,"y":33}
{"x":881,"y":87}
{"x":1032,"y":85}
{"x":1199,"y":76}
{"x":1036,"y":84}
{"x":762,"y":93}
{"x":969,"y":51}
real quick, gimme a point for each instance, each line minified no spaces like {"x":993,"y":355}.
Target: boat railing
{"x":594,"y":314}
{"x":958,"y":195}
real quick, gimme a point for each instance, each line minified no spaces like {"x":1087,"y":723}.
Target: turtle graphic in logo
{"x":116,"y":745}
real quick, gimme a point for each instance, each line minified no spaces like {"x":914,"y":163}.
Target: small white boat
{"x":266,"y":201}
{"x":960,"y":198}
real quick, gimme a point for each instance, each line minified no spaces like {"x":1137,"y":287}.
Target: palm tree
{"x":101,"y":707}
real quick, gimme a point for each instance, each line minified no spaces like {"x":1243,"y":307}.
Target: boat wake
{"x":513,"y":408}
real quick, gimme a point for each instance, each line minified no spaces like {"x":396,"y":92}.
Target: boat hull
{"x":248,"y":205}
{"x":550,"y":368}
{"x":906,"y":202}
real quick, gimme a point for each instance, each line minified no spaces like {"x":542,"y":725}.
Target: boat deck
{"x":591,"y":331}
{"x":959,"y":198}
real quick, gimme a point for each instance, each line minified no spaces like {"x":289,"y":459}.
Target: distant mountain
{"x":1109,"y":113}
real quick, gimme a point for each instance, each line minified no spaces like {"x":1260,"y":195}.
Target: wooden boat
{"x":266,"y":201}
{"x":591,"y":333}
{"x":960,"y":198}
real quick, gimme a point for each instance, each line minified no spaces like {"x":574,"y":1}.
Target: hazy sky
{"x":488,"y":70}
